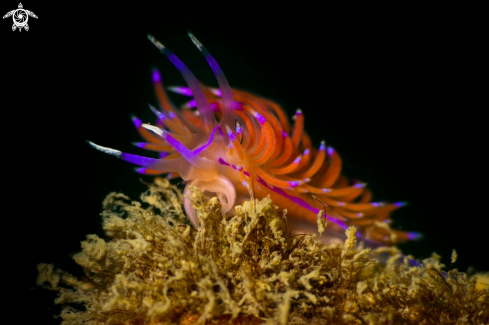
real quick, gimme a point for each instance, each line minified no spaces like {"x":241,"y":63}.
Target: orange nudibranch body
{"x":237,"y":145}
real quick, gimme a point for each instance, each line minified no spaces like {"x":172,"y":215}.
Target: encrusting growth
{"x":247,"y":269}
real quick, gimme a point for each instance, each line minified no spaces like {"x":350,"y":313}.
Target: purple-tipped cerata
{"x":237,"y":146}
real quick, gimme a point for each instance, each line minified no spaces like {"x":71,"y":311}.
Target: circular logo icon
{"x":20,"y":18}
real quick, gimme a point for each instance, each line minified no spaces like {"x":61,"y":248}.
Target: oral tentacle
{"x":220,"y":185}
{"x":203,"y":105}
{"x":228,"y":114}
{"x":163,"y":165}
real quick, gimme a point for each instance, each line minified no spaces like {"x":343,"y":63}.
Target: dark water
{"x":400,"y":102}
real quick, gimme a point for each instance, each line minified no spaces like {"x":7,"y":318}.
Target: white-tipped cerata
{"x":112,"y":152}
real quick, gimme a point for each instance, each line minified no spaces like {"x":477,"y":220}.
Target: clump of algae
{"x":248,"y":269}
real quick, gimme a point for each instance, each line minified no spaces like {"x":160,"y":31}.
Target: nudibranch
{"x":236,"y":146}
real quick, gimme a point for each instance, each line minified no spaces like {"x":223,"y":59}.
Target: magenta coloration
{"x":238,"y":146}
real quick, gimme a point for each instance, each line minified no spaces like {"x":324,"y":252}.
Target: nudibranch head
{"x":235,"y":145}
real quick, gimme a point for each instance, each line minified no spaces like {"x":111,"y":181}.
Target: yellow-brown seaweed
{"x":248,"y":269}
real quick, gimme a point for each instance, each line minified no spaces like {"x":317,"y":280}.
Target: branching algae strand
{"x":248,"y":269}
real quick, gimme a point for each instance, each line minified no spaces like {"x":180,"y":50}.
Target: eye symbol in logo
{"x":20,"y":17}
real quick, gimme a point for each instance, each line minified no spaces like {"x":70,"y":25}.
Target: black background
{"x":399,"y":95}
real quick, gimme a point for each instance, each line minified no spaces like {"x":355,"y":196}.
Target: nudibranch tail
{"x":235,"y":145}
